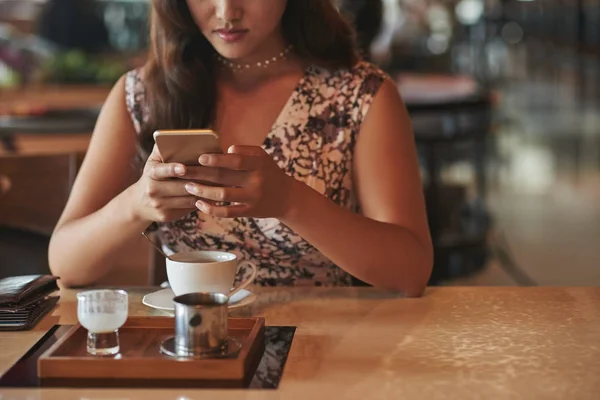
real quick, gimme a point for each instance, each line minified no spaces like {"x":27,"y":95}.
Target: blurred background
{"x":503,"y":95}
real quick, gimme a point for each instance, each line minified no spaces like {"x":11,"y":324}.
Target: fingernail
{"x":200,"y":205}
{"x":180,"y":170}
{"x":204,"y":160}
{"x":189,"y":187}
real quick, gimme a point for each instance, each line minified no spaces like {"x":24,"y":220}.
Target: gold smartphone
{"x":186,"y":146}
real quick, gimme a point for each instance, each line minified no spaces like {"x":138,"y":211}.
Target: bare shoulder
{"x":115,"y":108}
{"x":387,"y":114}
{"x":115,"y":132}
{"x":123,"y":108}
{"x":117,"y":94}
{"x":390,"y":92}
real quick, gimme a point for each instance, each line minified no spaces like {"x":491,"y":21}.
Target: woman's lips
{"x":231,"y":36}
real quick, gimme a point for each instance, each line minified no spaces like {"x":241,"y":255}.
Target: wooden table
{"x":359,"y":343}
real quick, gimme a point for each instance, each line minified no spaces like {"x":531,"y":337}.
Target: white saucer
{"x":163,"y":299}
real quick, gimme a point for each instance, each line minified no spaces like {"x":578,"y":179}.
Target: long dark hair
{"x":366,"y":17}
{"x":179,"y":76}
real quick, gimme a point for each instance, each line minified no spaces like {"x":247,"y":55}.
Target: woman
{"x":319,"y":155}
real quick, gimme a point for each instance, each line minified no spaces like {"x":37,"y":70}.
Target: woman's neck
{"x":248,"y":78}
{"x":272,"y":59}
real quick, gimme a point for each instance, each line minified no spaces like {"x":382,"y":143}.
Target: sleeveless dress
{"x":313,"y":141}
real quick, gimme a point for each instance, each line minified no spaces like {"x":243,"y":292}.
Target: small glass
{"x":102,"y":313}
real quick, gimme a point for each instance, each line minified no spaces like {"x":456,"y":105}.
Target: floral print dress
{"x":313,"y":141}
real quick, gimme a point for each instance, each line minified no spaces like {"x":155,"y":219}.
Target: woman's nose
{"x":228,"y":10}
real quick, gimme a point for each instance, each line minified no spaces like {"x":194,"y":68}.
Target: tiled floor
{"x":545,"y":180}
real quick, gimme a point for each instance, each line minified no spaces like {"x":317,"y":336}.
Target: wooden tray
{"x":141,"y":364}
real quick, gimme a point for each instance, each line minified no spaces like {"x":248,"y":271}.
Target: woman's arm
{"x":108,"y":206}
{"x":389,"y":246}
{"x":111,"y":203}
{"x":97,"y":220}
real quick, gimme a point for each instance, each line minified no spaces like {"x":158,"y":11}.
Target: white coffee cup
{"x":206,"y":272}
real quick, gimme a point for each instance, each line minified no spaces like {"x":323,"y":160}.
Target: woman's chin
{"x":232,"y":51}
{"x":233,"y":54}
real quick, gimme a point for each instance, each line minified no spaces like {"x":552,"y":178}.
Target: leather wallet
{"x":24,"y":290}
{"x":24,"y":300}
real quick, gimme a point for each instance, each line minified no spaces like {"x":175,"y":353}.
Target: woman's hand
{"x":248,"y":178}
{"x":158,"y":197}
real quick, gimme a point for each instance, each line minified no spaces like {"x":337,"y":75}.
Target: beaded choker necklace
{"x":235,"y":67}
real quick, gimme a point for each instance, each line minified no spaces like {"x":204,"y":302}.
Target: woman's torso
{"x":312,"y":140}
